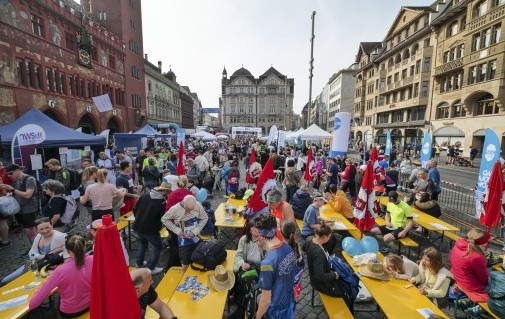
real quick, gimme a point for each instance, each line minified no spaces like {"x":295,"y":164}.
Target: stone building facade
{"x":163,"y":98}
{"x":55,"y":57}
{"x":265,"y":101}
{"x":340,"y":93}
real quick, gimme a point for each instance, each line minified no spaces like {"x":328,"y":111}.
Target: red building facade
{"x":55,"y":57}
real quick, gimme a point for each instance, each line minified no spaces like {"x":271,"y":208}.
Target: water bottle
{"x":33,"y":264}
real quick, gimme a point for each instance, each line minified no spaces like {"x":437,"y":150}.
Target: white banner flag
{"x":103,"y":103}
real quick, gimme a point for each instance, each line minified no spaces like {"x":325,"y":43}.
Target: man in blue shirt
{"x":434,"y":175}
{"x":277,"y":274}
{"x":332,"y":171}
{"x":311,"y":217}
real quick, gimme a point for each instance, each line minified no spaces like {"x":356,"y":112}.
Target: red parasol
{"x":306,"y":175}
{"x":266,"y":182}
{"x":365,"y":210}
{"x":181,"y":170}
{"x":112,"y":292}
{"x":492,"y":198}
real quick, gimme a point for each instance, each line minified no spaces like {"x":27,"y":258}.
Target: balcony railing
{"x":449,"y":66}
{"x":492,"y":15}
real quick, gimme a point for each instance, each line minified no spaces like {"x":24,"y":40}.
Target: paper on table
{"x":130,"y":218}
{"x":439,"y":226}
{"x":13,"y":302}
{"x":425,"y":312}
{"x":12,"y":290}
{"x":338,"y":225}
{"x":415,"y":216}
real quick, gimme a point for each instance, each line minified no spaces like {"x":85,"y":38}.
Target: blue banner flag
{"x":426,"y":150}
{"x":181,"y":135}
{"x":388,"y":143}
{"x":490,"y":154}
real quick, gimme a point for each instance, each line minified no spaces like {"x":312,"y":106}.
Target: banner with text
{"x":272,"y":136}
{"x":426,"y":149}
{"x":24,"y":143}
{"x":341,"y":127}
{"x":490,"y":154}
{"x":181,"y":136}
{"x":102,"y":102}
{"x":282,"y":140}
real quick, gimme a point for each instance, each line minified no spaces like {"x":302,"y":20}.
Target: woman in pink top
{"x":73,"y":280}
{"x":101,"y":194}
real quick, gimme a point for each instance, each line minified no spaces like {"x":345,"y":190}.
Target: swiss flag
{"x":266,"y":182}
{"x":181,"y":170}
{"x":365,"y":209}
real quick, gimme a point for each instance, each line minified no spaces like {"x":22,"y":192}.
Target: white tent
{"x":208,"y":137}
{"x":199,"y":134}
{"x":314,"y":132}
{"x":222,"y":137}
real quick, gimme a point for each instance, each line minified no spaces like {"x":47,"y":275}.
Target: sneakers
{"x":464,"y":303}
{"x":384,"y":250}
{"x":156,"y":270}
{"x":419,"y":230}
{"x":474,"y":312}
{"x":141,"y":266}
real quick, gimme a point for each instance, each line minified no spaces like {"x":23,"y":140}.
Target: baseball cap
{"x":248,"y":193}
{"x":393,"y":196}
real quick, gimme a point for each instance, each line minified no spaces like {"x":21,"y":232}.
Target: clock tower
{"x":85,"y":44}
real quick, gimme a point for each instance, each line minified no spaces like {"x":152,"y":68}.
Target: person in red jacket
{"x":348,"y":179}
{"x":469,"y":266}
{"x":178,"y":195}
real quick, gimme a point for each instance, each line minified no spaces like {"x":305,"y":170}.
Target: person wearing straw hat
{"x":142,"y":279}
{"x":148,"y":212}
{"x":222,"y":279}
{"x":277,"y":271}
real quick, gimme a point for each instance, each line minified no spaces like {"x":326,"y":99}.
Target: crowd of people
{"x":148,"y":184}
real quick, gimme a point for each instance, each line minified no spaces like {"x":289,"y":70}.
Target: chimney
{"x":145,"y":57}
{"x":159,"y":65}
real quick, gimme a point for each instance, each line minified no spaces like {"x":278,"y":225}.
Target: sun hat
{"x":248,"y":193}
{"x":374,"y":269}
{"x":222,"y":279}
{"x":318,"y":195}
{"x":163,"y":187}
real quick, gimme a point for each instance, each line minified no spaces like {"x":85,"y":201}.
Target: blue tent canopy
{"x":57,"y":135}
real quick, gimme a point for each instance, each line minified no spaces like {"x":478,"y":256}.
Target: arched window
{"x":479,"y":9}
{"x":452,"y":29}
{"x":398,"y":58}
{"x":458,"y":110}
{"x":406,"y":54}
{"x":415,"y":47}
{"x":390,"y":63}
{"x":87,"y":124}
{"x":486,"y":105}
{"x":443,"y":111}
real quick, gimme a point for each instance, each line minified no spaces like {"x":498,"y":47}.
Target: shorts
{"x":384,"y":230}
{"x":26,"y":219}
{"x":98,"y":213}
{"x":185,"y":253}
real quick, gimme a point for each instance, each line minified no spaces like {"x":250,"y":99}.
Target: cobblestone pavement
{"x":13,"y":256}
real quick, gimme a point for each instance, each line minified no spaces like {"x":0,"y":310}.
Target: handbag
{"x":209,"y":254}
{"x":49,"y":260}
{"x":9,"y":206}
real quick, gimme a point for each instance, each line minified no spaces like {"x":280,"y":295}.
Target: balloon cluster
{"x":201,"y":195}
{"x":353,"y":247}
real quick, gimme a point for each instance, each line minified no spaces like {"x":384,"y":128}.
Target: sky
{"x":197,"y":38}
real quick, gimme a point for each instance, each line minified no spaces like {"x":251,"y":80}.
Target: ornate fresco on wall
{"x":7,"y":65}
{"x":9,"y":15}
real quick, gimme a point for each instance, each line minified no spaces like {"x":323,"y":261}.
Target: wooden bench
{"x":335,"y":307}
{"x":165,"y":289}
{"x":407,"y":241}
{"x":451,"y":235}
{"x":299,"y":222}
{"x":485,"y":306}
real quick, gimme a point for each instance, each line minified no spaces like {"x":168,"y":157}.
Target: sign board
{"x":181,"y":135}
{"x":211,"y":110}
{"x":36,"y":160}
{"x":30,"y":134}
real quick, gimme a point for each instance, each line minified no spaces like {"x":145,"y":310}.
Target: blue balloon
{"x":351,"y":246}
{"x":369,"y":245}
{"x":201,"y":195}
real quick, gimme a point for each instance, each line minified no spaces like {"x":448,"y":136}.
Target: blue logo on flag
{"x":337,"y":124}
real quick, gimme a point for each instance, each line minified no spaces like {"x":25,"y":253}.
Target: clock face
{"x":84,"y":57}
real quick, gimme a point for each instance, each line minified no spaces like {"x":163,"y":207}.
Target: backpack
{"x":209,"y":228}
{"x":71,"y":211}
{"x":75,"y":178}
{"x":345,"y":272}
{"x":209,"y":254}
{"x":38,"y":193}
{"x":496,"y":299}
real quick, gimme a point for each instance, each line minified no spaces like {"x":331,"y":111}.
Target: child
{"x":233,"y":178}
